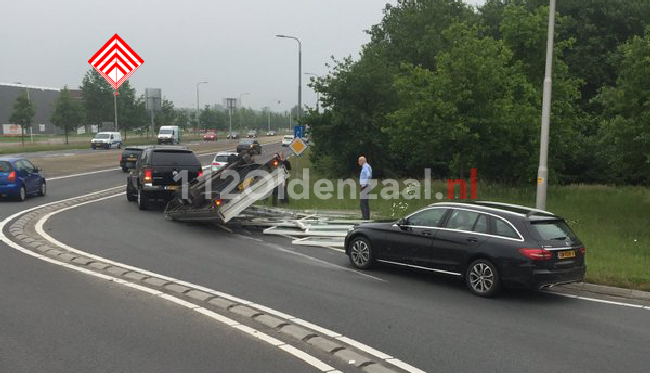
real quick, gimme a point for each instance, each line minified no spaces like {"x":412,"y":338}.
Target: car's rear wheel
{"x":361,"y":253}
{"x":22,"y":194}
{"x":482,"y":278}
{"x":130,"y":195}
{"x":143,"y":200}
{"x":43,"y":190}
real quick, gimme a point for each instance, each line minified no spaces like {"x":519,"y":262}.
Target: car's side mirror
{"x":402,"y":223}
{"x":38,"y":169}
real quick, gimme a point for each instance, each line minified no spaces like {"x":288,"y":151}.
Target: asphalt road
{"x":427,"y":320}
{"x":56,"y":320}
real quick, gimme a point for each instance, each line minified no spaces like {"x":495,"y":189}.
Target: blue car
{"x":19,"y":178}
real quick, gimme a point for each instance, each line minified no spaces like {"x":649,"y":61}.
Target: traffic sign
{"x":299,"y":132}
{"x":298,"y":146}
{"x":116,"y":61}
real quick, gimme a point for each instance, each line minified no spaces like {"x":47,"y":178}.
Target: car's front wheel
{"x":482,"y":278}
{"x":43,"y":190}
{"x":360,"y":253}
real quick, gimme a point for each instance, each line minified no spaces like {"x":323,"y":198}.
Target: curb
{"x":338,"y":348}
{"x":584,"y":287}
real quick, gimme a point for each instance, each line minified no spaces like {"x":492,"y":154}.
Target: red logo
{"x":116,"y":61}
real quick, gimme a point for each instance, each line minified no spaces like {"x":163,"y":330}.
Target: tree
{"x":97,"y":97}
{"x":166,"y":116}
{"x":625,"y":133}
{"x":68,"y":113}
{"x":23,"y":114}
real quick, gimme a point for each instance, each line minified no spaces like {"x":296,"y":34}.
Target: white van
{"x":287,"y":140}
{"x":169,"y":135}
{"x":106,"y":140}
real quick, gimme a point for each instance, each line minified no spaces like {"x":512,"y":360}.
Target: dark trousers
{"x":365,"y":206}
{"x":276,"y":192}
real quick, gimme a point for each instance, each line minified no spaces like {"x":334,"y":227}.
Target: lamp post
{"x":241,"y":117}
{"x":198,"y":109}
{"x":542,"y":172}
{"x":299,"y":71}
{"x":317,"y":93}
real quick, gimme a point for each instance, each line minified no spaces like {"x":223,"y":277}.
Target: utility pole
{"x":115,"y":107}
{"x":198,"y":109}
{"x":542,"y":172}
{"x":299,"y":71}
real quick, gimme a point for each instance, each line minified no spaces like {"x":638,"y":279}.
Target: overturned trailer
{"x":220,"y":196}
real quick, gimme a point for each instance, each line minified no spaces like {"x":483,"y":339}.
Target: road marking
{"x":309,"y":359}
{"x":40,"y":230}
{"x":600,"y":300}
{"x":82,"y":174}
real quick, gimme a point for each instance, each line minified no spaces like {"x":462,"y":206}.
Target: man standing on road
{"x":364,"y":181}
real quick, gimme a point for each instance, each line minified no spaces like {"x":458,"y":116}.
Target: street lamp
{"x":299,"y":70}
{"x":542,"y":172}
{"x":317,"y":93}
{"x":198,"y":109}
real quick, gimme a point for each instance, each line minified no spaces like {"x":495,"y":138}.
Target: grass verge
{"x":612,"y":222}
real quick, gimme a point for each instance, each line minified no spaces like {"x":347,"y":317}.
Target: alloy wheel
{"x":481,"y":278}
{"x":360,"y":253}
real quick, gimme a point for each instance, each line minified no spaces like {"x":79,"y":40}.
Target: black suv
{"x":154,"y":173}
{"x":489,"y":244}
{"x":129,"y":157}
{"x":249,"y":144}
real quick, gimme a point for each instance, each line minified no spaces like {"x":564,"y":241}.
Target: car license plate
{"x":172,"y":187}
{"x":566,"y":254}
{"x":132,"y":159}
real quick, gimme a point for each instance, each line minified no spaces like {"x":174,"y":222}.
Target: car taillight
{"x":200,"y":173}
{"x":217,"y":203}
{"x":147,"y":175}
{"x":12,"y":177}
{"x":583,"y":250}
{"x":537,"y":254}
{"x":275,"y":163}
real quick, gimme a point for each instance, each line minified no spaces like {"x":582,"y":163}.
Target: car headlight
{"x":350,"y":229}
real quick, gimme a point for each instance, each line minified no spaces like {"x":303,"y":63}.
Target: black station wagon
{"x":489,"y":244}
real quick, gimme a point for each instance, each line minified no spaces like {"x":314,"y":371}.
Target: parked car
{"x":19,"y":178}
{"x":154,"y":173}
{"x":490,"y":245}
{"x":106,"y":140}
{"x":169,"y":135}
{"x":249,"y":144}
{"x":221,"y":160}
{"x":287,"y":140}
{"x":251,"y":134}
{"x":129,"y":157}
{"x":233,"y":135}
{"x":210,"y":136}
{"x":271,"y":133}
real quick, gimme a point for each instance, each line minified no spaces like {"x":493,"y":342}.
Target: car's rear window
{"x":166,"y":132}
{"x":131,"y":151}
{"x":221,"y":158}
{"x":553,"y":230}
{"x":288,"y":137}
{"x":102,"y":136}
{"x":246,"y":142}
{"x":169,"y":158}
{"x":5,"y":166}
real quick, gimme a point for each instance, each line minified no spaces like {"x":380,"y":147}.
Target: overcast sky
{"x":231,"y":44}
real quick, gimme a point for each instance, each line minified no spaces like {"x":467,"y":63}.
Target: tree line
{"x":447,"y":86}
{"x":96,"y":106}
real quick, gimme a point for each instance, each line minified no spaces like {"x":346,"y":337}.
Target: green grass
{"x":612,"y":222}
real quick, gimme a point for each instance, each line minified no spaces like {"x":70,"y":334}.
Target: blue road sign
{"x":299,"y":132}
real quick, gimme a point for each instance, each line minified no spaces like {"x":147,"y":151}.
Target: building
{"x":44,"y":99}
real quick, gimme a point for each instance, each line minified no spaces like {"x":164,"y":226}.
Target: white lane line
{"x":47,"y":237}
{"x":309,"y":359}
{"x":601,"y":300}
{"x":82,"y":174}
